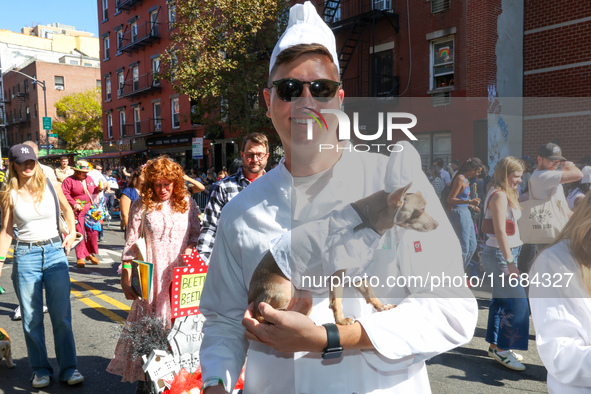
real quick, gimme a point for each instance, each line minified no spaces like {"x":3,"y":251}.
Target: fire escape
{"x":354,"y":23}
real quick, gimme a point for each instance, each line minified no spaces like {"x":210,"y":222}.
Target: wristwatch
{"x":333,"y":348}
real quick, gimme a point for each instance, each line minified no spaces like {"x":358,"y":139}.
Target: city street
{"x":98,"y":306}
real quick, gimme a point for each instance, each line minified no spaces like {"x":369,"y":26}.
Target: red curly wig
{"x":164,"y":167}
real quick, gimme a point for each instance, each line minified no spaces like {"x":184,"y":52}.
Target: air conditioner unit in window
{"x":59,"y":88}
{"x":158,"y":127}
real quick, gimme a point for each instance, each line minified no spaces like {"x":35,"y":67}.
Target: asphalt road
{"x":98,"y":306}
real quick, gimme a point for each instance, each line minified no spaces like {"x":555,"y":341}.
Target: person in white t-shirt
{"x":547,"y":178}
{"x":561,"y":307}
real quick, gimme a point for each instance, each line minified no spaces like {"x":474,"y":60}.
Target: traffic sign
{"x":46,"y":123}
{"x":53,"y":135}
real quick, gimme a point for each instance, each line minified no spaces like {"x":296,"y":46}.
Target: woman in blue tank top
{"x":461,"y":206}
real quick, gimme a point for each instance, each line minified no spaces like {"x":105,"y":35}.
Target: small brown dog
{"x":380,"y":212}
{"x":6,"y":349}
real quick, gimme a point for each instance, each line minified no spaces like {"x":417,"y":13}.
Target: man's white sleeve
{"x":223,"y":303}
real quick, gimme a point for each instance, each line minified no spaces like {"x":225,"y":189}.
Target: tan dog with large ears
{"x":379,"y":212}
{"x":6,"y":348}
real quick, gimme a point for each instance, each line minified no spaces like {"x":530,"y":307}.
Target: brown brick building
{"x":557,"y":77}
{"x":142,"y":114}
{"x":437,"y":52}
{"x":24,"y":100}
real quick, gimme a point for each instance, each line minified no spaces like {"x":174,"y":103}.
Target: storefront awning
{"x":114,"y":155}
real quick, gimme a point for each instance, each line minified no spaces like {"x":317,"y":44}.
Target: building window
{"x":122,"y":123}
{"x":156,"y":71}
{"x":442,"y":63}
{"x":174,"y":104}
{"x":154,"y":23}
{"x":136,"y":120}
{"x":59,"y":82}
{"x":121,"y":83}
{"x":135,"y":74}
{"x":109,"y":125}
{"x":171,"y":15}
{"x":385,"y":5}
{"x":383,"y":80}
{"x":439,"y":6}
{"x":26,"y":87}
{"x":133,"y":28}
{"x":332,"y":11}
{"x":105,"y":10}
{"x":106,"y":47}
{"x":28,"y":113}
{"x":157,"y":119}
{"x":119,"y":38}
{"x":432,"y":146}
{"x":173,"y":66}
{"x":108,"y":88}
{"x":35,"y":110}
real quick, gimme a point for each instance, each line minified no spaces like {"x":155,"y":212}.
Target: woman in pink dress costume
{"x":171,"y":226}
{"x":79,"y":189}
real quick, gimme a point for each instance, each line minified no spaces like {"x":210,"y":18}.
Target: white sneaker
{"x":508,"y":360}
{"x":517,"y":356}
{"x":75,"y":378}
{"x":40,"y":382}
{"x":17,"y":314}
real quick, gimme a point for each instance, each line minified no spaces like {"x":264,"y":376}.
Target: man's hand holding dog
{"x":288,"y":331}
{"x":292,"y":331}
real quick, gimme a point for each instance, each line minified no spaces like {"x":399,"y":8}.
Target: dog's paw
{"x":346,"y":321}
{"x":385,"y":307}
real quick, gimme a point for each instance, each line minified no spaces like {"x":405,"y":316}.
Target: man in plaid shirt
{"x":254,"y":154}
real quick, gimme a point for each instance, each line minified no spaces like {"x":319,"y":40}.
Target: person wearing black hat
{"x":28,"y":202}
{"x":547,"y":176}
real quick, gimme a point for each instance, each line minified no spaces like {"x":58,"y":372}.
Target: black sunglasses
{"x":321,"y":89}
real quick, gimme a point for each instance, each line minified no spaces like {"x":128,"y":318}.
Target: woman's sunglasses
{"x":321,"y":89}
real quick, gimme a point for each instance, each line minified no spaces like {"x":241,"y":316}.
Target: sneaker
{"x":76,"y":378}
{"x":102,"y":240}
{"x":508,"y":360}
{"x":40,"y":382}
{"x":17,"y":314}
{"x":517,"y":356}
{"x":45,"y":310}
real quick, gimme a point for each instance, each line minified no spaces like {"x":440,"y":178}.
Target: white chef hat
{"x":586,"y":174}
{"x":305,"y":26}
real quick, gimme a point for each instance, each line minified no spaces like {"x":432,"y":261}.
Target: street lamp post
{"x":42,"y":84}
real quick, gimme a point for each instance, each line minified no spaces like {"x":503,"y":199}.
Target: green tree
{"x":219,"y":56}
{"x":79,"y":121}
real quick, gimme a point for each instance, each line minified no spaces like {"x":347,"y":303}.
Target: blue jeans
{"x":461,"y":221}
{"x":508,"y":314}
{"x":46,"y":266}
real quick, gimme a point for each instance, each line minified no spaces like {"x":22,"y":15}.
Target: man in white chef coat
{"x":381,"y":352}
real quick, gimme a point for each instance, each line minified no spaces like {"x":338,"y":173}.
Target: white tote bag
{"x":141,"y":240}
{"x":542,"y":220}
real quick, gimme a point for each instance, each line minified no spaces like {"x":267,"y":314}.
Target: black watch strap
{"x":333,"y":348}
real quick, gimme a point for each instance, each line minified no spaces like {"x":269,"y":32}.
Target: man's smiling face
{"x":291,"y":118}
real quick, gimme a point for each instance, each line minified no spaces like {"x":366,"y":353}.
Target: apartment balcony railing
{"x":145,"y":126}
{"x":127,"y":4}
{"x":143,"y":84}
{"x":139,"y":37}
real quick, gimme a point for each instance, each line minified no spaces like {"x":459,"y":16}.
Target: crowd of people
{"x":248,"y":210}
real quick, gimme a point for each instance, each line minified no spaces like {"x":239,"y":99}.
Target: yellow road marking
{"x":102,"y":296}
{"x":111,"y":315}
